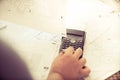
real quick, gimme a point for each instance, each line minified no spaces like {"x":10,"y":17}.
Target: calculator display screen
{"x":75,"y":37}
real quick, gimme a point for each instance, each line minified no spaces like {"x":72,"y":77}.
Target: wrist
{"x":55,"y":76}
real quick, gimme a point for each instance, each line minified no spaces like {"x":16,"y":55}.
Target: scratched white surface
{"x":99,"y":18}
{"x":39,"y":14}
{"x":36,"y":48}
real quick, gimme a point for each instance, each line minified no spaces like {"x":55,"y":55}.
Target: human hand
{"x":68,"y":66}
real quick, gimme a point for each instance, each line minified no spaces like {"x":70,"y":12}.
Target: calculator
{"x":74,"y":38}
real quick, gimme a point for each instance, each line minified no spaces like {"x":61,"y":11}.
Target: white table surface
{"x":100,"y":20}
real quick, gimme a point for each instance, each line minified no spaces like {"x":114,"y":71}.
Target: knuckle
{"x":87,"y":71}
{"x":83,"y":60}
{"x":67,"y":55}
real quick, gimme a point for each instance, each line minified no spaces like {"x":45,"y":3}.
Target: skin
{"x":68,"y":66}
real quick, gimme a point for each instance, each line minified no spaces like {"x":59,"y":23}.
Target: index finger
{"x":69,"y":50}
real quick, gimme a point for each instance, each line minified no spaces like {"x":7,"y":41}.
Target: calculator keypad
{"x":66,"y":42}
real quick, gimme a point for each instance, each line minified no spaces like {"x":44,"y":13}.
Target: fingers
{"x":62,"y":52}
{"x":78,"y":53}
{"x":69,"y":50}
{"x":82,"y":62}
{"x":85,"y":71}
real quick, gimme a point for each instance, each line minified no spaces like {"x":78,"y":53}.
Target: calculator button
{"x":66,"y":42}
{"x":66,"y":45}
{"x":79,"y":43}
{"x":72,"y":41}
{"x":75,"y":47}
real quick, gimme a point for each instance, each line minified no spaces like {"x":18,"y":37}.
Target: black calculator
{"x":74,"y":38}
